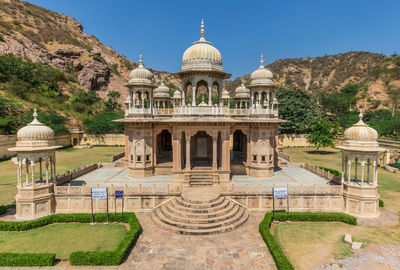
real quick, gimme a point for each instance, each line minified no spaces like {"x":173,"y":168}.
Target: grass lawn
{"x":388,"y":183}
{"x":66,"y":159}
{"x":311,"y":244}
{"x":63,"y":239}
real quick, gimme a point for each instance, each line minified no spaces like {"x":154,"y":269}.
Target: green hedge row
{"x":332,"y":171}
{"x":77,"y":258}
{"x":281,"y":261}
{"x":27,"y":259}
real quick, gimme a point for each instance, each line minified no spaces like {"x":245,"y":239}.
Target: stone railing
{"x":151,"y":190}
{"x":65,"y":178}
{"x":327,"y":175}
{"x":285,"y":156}
{"x":202,"y":111}
{"x":117,"y":156}
{"x":293,"y":190}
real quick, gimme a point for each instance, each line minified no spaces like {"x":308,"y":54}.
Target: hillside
{"x":37,"y":34}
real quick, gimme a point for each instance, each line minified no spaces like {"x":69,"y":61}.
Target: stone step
{"x":201,"y":205}
{"x":201,"y":194}
{"x":209,"y":231}
{"x":199,"y":219}
{"x":200,"y":226}
{"x":186,"y":209}
{"x":170,"y":207}
{"x":201,"y":183}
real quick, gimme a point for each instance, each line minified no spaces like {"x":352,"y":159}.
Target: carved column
{"x":19,"y":171}
{"x":209,"y":86}
{"x":214,"y":161}
{"x":33,"y":172}
{"x":349,"y":171}
{"x":194,"y":95}
{"x":47,"y":170}
{"x":188,"y":165}
{"x":362,"y":172}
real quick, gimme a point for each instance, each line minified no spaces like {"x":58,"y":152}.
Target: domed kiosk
{"x":360,"y":150}
{"x":35,"y":145}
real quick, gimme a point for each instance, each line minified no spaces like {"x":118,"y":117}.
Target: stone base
{"x":260,"y":172}
{"x":34,"y":202}
{"x":361,"y":201}
{"x":140,"y":172}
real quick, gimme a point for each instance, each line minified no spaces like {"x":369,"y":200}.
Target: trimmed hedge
{"x":3,"y":209}
{"x":77,"y":258}
{"x":27,"y":259}
{"x":281,"y":261}
{"x":332,"y":171}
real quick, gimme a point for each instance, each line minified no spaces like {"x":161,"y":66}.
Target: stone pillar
{"x":194,"y":95}
{"x":26,"y":171}
{"x":259,"y":98}
{"x":176,"y":152}
{"x":188,"y":165}
{"x":127,"y":144}
{"x":349,"y":171}
{"x":375,"y":172}
{"x":209,"y":86}
{"x":362,"y":172}
{"x":19,"y":171}
{"x":214,"y":161}
{"x":368,"y":171}
{"x":33,"y":172}
{"x":47,"y":170}
{"x":355,"y":169}
{"x":40,"y":169}
{"x":343,"y":168}
{"x":142,"y":94}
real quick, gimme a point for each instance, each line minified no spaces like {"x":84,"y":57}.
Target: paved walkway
{"x":157,"y":249}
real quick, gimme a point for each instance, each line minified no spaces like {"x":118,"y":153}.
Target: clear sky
{"x":241,"y":30}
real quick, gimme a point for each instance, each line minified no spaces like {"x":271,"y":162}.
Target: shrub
{"x":3,"y":209}
{"x":332,"y":171}
{"x":103,"y":123}
{"x":279,"y":256}
{"x":381,"y":203}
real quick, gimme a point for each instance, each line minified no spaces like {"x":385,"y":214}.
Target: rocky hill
{"x":37,"y":34}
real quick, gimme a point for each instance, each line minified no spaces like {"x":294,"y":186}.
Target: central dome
{"x":202,"y":55}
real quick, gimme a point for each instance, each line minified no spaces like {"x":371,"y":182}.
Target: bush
{"x":3,"y":209}
{"x":279,"y":256}
{"x":332,"y":171}
{"x":27,"y":259}
{"x":77,"y":258}
{"x":103,"y":123}
{"x":381,"y":203}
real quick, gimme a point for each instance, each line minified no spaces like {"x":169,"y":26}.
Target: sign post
{"x":120,"y":194}
{"x":279,"y":193}
{"x":100,"y":193}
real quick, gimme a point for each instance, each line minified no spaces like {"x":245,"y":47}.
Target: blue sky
{"x":241,"y":30}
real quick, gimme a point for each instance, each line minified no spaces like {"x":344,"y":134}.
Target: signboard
{"x":99,"y":193}
{"x":119,"y":194}
{"x":280,"y":192}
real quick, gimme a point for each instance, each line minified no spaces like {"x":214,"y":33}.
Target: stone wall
{"x":65,"y":178}
{"x":293,"y":140}
{"x":103,"y":139}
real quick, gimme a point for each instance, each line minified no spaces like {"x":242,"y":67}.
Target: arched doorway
{"x":239,"y":149}
{"x":201,"y":150}
{"x":164,"y":147}
{"x":201,"y":92}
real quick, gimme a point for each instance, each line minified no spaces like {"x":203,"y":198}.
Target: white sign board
{"x":280,"y":192}
{"x":99,"y":193}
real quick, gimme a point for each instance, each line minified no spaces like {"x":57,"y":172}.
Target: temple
{"x":189,"y":133}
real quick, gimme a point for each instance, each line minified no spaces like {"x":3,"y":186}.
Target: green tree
{"x":323,"y":133}
{"x":12,"y":116}
{"x":299,"y":108}
{"x":340,"y":102}
{"x":112,"y":103}
{"x":394,"y":96}
{"x":103,"y":123}
{"x":85,"y":102}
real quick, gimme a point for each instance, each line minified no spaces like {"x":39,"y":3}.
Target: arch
{"x":188,"y":90}
{"x":215,"y":93}
{"x":201,"y":92}
{"x":239,"y":149}
{"x":201,"y":149}
{"x":164,"y":146}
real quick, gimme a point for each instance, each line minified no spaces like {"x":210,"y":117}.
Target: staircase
{"x":200,"y":179}
{"x":199,"y":211}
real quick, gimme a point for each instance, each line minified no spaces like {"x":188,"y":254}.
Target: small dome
{"x":225,"y":95}
{"x":261,"y":76}
{"x":202,"y":55}
{"x":162,"y":91}
{"x":177,"y":94}
{"x":360,"y":135}
{"x":35,"y":134}
{"x":140,"y":75}
{"x":242,"y":92}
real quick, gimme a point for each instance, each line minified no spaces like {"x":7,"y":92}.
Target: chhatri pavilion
{"x":188,"y":135}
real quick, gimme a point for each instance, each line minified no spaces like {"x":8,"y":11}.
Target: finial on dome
{"x":141,"y":61}
{"x":262,"y":61}
{"x":34,"y":114}
{"x":360,"y":115}
{"x":242,"y":81}
{"x":202,"y":30}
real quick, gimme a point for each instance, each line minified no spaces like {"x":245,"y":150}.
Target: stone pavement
{"x":242,"y":248}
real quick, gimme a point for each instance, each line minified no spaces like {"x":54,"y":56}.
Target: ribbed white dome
{"x":202,"y":55}
{"x":162,"y":91}
{"x":242,"y":92}
{"x":225,"y":95}
{"x":35,"y":134}
{"x":262,"y":76}
{"x":177,"y":94}
{"x":360,"y":135}
{"x":140,"y":75}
